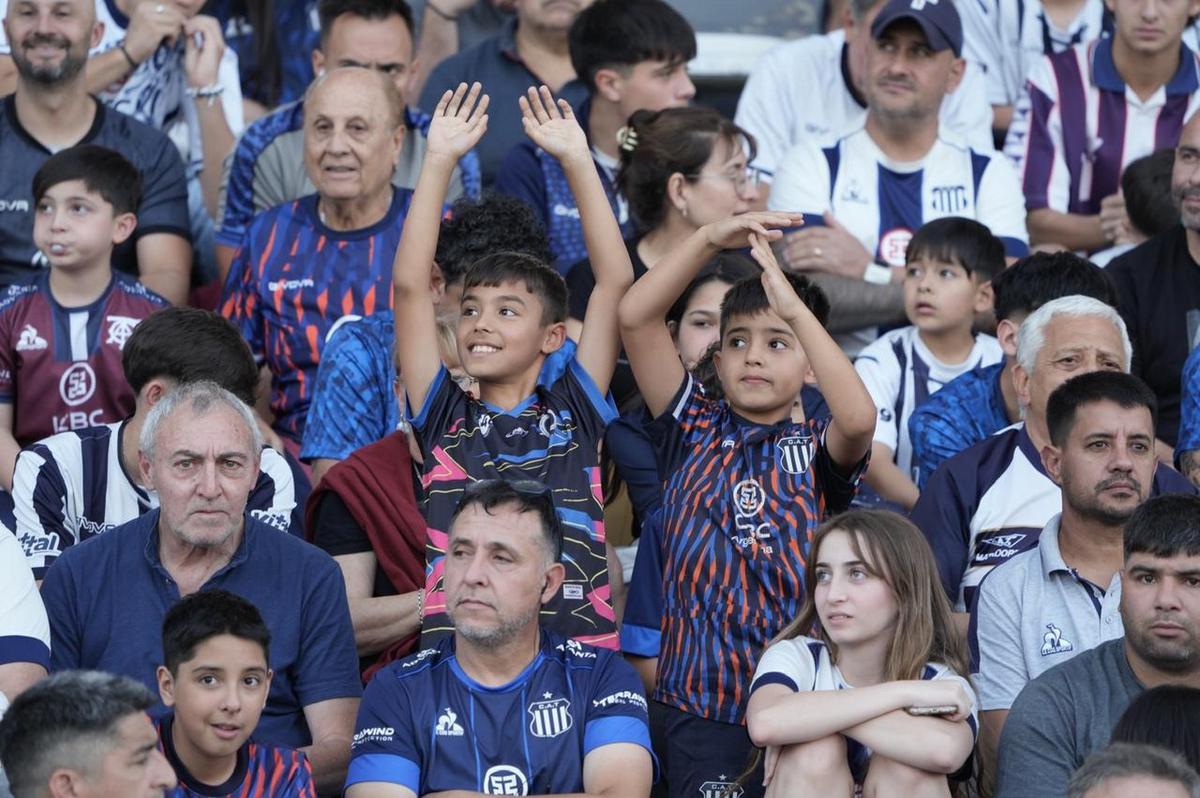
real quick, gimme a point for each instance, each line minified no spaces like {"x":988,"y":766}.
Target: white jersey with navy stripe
{"x":900,"y":373}
{"x":24,"y":628}
{"x":882,"y":202}
{"x":781,"y":111}
{"x":72,"y":486}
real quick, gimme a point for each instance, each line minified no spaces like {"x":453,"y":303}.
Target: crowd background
{"x":606,"y":397}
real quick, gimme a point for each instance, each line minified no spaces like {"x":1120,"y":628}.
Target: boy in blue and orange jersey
{"x":216,"y":678}
{"x":746,"y":485}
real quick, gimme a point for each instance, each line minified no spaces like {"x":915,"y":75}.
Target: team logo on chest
{"x":894,"y":244}
{"x":119,"y":330}
{"x":1053,"y":641}
{"x":448,"y":725}
{"x":749,"y":499}
{"x":721,"y":788}
{"x":485,"y":424}
{"x":505,"y":780}
{"x":550,"y":717}
{"x":77,"y":384}
{"x":795,"y":453}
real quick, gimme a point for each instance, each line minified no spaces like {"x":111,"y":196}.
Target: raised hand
{"x":459,"y":122}
{"x":733,"y":232}
{"x":553,"y":127}
{"x":202,"y":54}
{"x":780,"y":295}
{"x":150,"y":24}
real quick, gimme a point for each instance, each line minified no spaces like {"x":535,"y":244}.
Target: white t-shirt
{"x":803,"y":665}
{"x":800,"y":91}
{"x":901,"y":373}
{"x":24,"y":628}
{"x":883,"y":202}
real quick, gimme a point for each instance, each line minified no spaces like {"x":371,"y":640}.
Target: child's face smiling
{"x":500,"y":332}
{"x":218,"y":696}
{"x":762,"y":367}
{"x":75,"y":227}
{"x":939,"y":295}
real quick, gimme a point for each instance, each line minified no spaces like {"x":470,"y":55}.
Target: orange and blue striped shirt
{"x":741,"y":503}
{"x":293,"y":279}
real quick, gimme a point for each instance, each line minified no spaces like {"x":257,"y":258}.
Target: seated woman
{"x":874,"y":697}
{"x":681,"y":168}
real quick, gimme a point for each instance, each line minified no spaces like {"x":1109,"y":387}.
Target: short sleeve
{"x":274,"y":498}
{"x":163,"y":208}
{"x":617,"y":711}
{"x":445,"y":401}
{"x":239,"y":301}
{"x":881,"y":376}
{"x":299,"y":782}
{"x":594,"y":410}
{"x":60,"y":595}
{"x":350,"y":402}
{"x":327,"y":664}
{"x":335,"y":531}
{"x":41,"y":508}
{"x":24,"y":628}
{"x":8,"y":369}
{"x":995,"y":638}
{"x":1001,"y":206}
{"x":789,"y":663}
{"x":967,"y":110}
{"x":670,"y":430}
{"x":765,"y":106}
{"x":641,"y":625}
{"x":802,"y":182}
{"x":1037,"y":746}
{"x":1189,"y":406}
{"x":945,"y":520}
{"x":384,"y":744}
{"x":236,"y":205}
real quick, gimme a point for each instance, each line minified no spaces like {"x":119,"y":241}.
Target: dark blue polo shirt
{"x":107,"y":596}
{"x":505,"y":77}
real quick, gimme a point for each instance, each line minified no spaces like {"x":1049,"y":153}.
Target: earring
{"x":683,"y":211}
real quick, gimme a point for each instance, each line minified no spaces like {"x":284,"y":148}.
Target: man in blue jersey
{"x":864,"y":195}
{"x":990,"y":502}
{"x":983,"y":401}
{"x":76,"y":484}
{"x":632,"y":55}
{"x":267,"y":169}
{"x":106,"y":599}
{"x":503,"y":707}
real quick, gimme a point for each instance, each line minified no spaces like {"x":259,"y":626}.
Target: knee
{"x":895,"y":778}
{"x":826,"y":756}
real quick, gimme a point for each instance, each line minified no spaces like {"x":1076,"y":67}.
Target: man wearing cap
{"x":864,"y":194}
{"x":1088,"y":111}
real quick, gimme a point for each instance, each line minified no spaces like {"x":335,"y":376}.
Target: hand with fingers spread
{"x":733,"y":232}
{"x":459,"y":122}
{"x":780,"y":295}
{"x":552,"y":126}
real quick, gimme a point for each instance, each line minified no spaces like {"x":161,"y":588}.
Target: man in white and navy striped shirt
{"x":1086,"y":112}
{"x":74,"y":485}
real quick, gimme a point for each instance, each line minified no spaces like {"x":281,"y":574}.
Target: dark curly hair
{"x":495,"y":223}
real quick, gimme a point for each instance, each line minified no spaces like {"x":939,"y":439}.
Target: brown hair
{"x":663,"y":143}
{"x":894,"y":550}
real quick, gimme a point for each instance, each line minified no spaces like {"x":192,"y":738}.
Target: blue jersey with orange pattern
{"x":60,"y":367}
{"x":552,"y":437}
{"x":262,"y":771}
{"x":741,"y":503}
{"x":293,"y":279}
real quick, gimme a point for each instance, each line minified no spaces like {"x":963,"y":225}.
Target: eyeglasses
{"x":750,"y":177}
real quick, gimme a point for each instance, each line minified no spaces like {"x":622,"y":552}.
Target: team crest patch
{"x":795,"y":453}
{"x":1053,"y":641}
{"x":551,"y":717}
{"x":505,"y":780}
{"x":720,"y":788}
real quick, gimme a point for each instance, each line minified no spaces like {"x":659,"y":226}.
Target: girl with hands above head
{"x":864,"y":687}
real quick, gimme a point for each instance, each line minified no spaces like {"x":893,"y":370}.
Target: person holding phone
{"x":875,"y":697}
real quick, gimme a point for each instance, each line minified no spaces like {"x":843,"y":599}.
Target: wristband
{"x":420,"y":604}
{"x":877,"y":275}
{"x":440,"y":12}
{"x":209,"y":93}
{"x":132,"y":64}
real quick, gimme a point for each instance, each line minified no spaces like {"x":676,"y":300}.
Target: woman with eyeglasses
{"x":681,"y":168}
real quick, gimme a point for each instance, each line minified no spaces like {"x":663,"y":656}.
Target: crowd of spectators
{"x":443,"y":399}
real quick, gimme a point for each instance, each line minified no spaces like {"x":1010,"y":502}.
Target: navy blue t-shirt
{"x":106,"y":598}
{"x":426,"y":725}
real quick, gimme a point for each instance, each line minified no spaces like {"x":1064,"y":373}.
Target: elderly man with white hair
{"x":106,"y":597}
{"x":990,"y":502}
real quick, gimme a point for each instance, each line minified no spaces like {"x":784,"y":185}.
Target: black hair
{"x":749,"y":298}
{"x":706,"y":374}
{"x":1165,"y":526}
{"x":1123,"y":390}
{"x":1045,"y":276}
{"x":201,"y":616}
{"x":668,"y":141}
{"x":953,"y":239}
{"x":1146,"y":185}
{"x":623,"y":33}
{"x":527,"y":496}
{"x":329,"y":10}
{"x":539,"y":279}
{"x":1164,"y":716}
{"x":103,"y":171}
{"x":188,"y":345}
{"x":495,"y":223}
{"x":67,"y":720}
{"x":728,"y":267}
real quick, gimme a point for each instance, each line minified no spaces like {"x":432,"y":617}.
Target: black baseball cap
{"x":938,"y":19}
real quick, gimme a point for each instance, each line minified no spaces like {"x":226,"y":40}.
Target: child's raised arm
{"x":849,"y":435}
{"x":553,"y":127}
{"x":459,"y":121}
{"x":643,"y":311}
